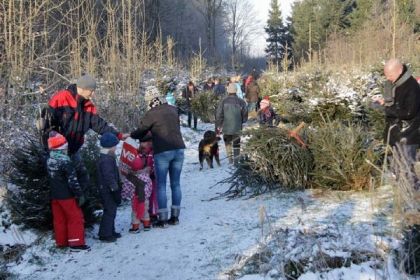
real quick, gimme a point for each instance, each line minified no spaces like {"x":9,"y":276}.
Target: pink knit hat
{"x":264,"y":104}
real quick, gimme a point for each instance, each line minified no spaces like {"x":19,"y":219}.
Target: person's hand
{"x":81,"y":200}
{"x":218,"y":131}
{"x":125,"y":136}
{"x":378,"y":99}
{"x":146,"y":170}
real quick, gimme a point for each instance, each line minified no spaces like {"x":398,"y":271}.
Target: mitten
{"x":81,"y":200}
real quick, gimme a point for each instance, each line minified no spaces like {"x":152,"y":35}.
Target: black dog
{"x":209,"y":149}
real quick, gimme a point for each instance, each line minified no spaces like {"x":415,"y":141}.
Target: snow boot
{"x":108,"y":239}
{"x":147,"y":225}
{"x":162,"y":219}
{"x":117,"y":235}
{"x":135,"y":228}
{"x":236,"y":156}
{"x":175,"y":210}
{"x":79,"y":248}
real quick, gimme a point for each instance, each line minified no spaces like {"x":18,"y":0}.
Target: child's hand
{"x":146,"y":170}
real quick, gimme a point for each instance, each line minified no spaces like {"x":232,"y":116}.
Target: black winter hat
{"x":109,"y":140}
{"x":155,"y":102}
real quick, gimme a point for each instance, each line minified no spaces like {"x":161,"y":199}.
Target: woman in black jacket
{"x":163,"y":122}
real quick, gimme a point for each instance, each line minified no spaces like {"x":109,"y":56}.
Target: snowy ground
{"x":215,"y":239}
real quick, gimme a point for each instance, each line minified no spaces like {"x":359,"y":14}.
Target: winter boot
{"x":79,"y":248}
{"x":116,"y":235}
{"x":147,"y":225}
{"x":108,"y":239}
{"x":162,"y":219}
{"x":135,"y":228}
{"x":175,"y":210}
{"x":229,"y":153}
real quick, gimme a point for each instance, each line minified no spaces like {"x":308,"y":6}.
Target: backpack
{"x":44,"y":125}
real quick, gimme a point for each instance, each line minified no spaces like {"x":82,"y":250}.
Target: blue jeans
{"x":169,"y":162}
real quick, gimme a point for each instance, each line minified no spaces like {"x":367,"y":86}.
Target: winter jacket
{"x":73,"y":116}
{"x":231,"y":113}
{"x":107,"y":173}
{"x":268,"y":118}
{"x":189,"y":95}
{"x":208,"y":87}
{"x":219,"y":90}
{"x":252,"y":92}
{"x":163,"y":122}
{"x":170,"y":98}
{"x":402,"y":110}
{"x":62,"y":176}
{"x":239,"y":91}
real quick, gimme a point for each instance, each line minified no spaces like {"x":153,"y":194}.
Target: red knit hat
{"x":56,"y":141}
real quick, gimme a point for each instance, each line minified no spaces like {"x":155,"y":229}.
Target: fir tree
{"x":29,"y":195}
{"x":278,"y":40}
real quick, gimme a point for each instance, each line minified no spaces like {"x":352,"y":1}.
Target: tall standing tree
{"x":279,"y":40}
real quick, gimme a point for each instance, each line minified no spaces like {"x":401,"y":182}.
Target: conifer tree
{"x":28,"y":196}
{"x":278,"y":36}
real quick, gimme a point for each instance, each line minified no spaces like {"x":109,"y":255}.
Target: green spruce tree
{"x":279,"y":40}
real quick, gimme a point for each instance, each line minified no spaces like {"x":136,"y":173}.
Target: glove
{"x":81,"y":200}
{"x":116,"y":195}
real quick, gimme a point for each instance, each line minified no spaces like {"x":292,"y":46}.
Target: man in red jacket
{"x":73,"y":114}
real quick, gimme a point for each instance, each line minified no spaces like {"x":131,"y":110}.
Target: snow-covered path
{"x":211,"y":234}
{"x":205,"y":242}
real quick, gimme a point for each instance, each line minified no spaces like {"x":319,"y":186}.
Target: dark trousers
{"x":82,"y":172}
{"x":107,"y":226}
{"x":190,"y":117}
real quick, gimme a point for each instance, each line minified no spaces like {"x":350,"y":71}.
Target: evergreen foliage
{"x":29,"y":195}
{"x":279,"y":40}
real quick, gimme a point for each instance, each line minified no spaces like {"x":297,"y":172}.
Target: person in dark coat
{"x":231,"y":114}
{"x":73,"y":114}
{"x":266,"y":115}
{"x":188,"y":94}
{"x":66,"y":196}
{"x":209,"y":85}
{"x":109,"y":187}
{"x":219,"y":89}
{"x":401,"y":102}
{"x":168,"y":146}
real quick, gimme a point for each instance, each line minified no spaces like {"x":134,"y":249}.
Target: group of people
{"x":161,"y":149}
{"x":161,"y":152}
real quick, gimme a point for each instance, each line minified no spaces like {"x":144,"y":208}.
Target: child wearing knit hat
{"x":109,"y":186}
{"x":66,"y":196}
{"x":138,"y":186}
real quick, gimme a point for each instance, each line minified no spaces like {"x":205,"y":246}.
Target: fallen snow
{"x":213,"y":236}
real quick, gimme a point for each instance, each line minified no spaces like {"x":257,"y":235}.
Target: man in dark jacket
{"x":402,"y":107}
{"x":73,"y":114}
{"x":231,"y":114}
{"x":168,"y":146}
{"x":219,"y":89}
{"x":188,"y":94}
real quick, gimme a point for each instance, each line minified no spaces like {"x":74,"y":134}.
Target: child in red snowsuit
{"x":141,"y":189}
{"x":66,"y":196}
{"x":146,"y":154}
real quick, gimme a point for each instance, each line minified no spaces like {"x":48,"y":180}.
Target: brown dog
{"x":208,"y":149}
